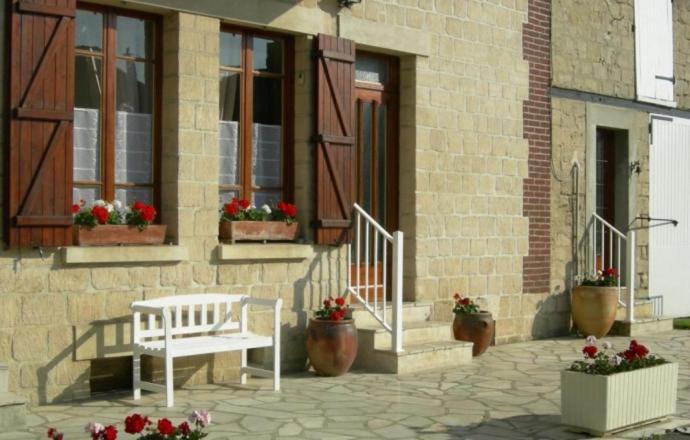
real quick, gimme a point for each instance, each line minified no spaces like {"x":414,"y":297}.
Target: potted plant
{"x":332,"y":338}
{"x":610,"y":391}
{"x":472,"y":325}
{"x":104,"y":223}
{"x":594,"y":303}
{"x":240,"y":221}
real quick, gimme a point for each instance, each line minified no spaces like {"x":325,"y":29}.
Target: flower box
{"x":114,"y":235}
{"x":602,"y":404}
{"x":257,"y":231}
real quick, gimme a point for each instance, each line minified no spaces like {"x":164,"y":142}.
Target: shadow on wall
{"x":552,"y":317}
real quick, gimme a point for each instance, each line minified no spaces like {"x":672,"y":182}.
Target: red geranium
{"x":244,"y":203}
{"x":288,"y":209}
{"x":135,"y":423}
{"x":75,"y":208}
{"x":340,"y":301}
{"x":590,"y":351}
{"x":101,"y":214}
{"x":109,"y":433}
{"x":336,"y":315}
{"x":333,"y":309}
{"x":148,"y":213}
{"x":165,"y":427}
{"x":138,"y":205}
{"x":184,"y":428}
{"x":327,"y":303}
{"x":231,"y":209}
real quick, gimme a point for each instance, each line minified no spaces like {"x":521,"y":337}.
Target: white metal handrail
{"x":369,"y":237}
{"x":604,"y":235}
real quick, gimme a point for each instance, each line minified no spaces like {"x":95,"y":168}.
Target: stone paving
{"x":511,"y":392}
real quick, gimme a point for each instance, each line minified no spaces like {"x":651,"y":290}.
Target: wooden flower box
{"x":115,"y":235}
{"x":257,"y":231}
{"x":601,"y":405}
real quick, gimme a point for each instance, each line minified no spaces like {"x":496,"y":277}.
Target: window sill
{"x":264,"y":251}
{"x":661,"y":102}
{"x":123,"y":254}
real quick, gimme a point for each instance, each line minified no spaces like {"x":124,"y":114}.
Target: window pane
{"x":371,"y":69}
{"x":366,"y":155}
{"x":267,"y":133}
{"x":87,"y":194}
{"x":87,"y":128}
{"x":229,"y":96}
{"x":226,"y":196}
{"x":271,"y":198}
{"x":230,"y":49}
{"x":89,"y":30}
{"x":134,"y":37}
{"x":130,"y":195}
{"x":228,"y":127}
{"x":268,"y":101}
{"x":268,"y":55}
{"x":133,"y":123}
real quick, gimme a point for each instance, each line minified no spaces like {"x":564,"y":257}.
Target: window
{"x":115,"y":113}
{"x":654,"y":50}
{"x":254,"y":135}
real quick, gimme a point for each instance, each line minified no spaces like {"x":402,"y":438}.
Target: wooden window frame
{"x":108,"y":102}
{"x":245,"y":188}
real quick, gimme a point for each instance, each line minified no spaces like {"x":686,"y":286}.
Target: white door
{"x":669,"y":246}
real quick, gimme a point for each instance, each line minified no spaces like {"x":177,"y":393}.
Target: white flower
{"x":99,"y":202}
{"x":128,"y":209}
{"x":616,"y":360}
{"x":93,"y":428}
{"x":117,"y":204}
{"x":109,"y":207}
{"x":591,"y":340}
{"x":266,"y":209}
{"x":202,"y":417}
{"x":607,"y":345}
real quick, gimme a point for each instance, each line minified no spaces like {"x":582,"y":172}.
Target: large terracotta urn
{"x":474,"y":327}
{"x":594,"y":309}
{"x":331,"y":346}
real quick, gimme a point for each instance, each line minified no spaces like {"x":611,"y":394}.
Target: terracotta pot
{"x":594,"y":309}
{"x":474,"y":327}
{"x":257,"y":231}
{"x":331,"y":346}
{"x":115,"y":235}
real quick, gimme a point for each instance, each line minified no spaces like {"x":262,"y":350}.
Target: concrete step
{"x":417,"y":357}
{"x":412,"y":311}
{"x":642,"y":327}
{"x":12,"y":412}
{"x":643,"y":310}
{"x":415,"y":332}
{"x":4,"y":378}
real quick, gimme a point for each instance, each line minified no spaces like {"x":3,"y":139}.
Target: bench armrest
{"x":275,"y":304}
{"x":155,"y":310}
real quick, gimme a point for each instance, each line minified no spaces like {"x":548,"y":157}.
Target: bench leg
{"x":243,"y":364}
{"x":276,"y":368}
{"x":136,"y":376}
{"x":169,"y":381}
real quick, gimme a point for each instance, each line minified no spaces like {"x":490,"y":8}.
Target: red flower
{"x":639,"y":350}
{"x":138,"y":205}
{"x":465,"y":301}
{"x":244,"y":203}
{"x":232,"y":208}
{"x":336,"y":315}
{"x":101,"y":214}
{"x":165,"y":427}
{"x":135,"y":423}
{"x":109,"y":433}
{"x":590,"y":351}
{"x":327,"y":303}
{"x":340,"y":301}
{"x":456,"y":296}
{"x":287,"y":209}
{"x":75,"y":208}
{"x":184,"y":428}
{"x":147,"y":213}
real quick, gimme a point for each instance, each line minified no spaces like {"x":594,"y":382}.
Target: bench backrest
{"x":189,"y":314}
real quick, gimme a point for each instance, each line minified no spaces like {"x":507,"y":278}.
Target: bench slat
{"x":206,"y":344}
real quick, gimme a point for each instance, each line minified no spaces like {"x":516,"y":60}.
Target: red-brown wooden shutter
{"x":41,"y":115}
{"x":335,"y":141}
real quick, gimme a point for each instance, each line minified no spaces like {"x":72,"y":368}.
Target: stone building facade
{"x":467,"y":159}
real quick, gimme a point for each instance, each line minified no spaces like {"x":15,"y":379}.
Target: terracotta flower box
{"x":114,"y":235}
{"x":257,"y":231}
{"x":600,"y":404}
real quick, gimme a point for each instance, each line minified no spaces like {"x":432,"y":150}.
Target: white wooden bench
{"x":189,"y":325}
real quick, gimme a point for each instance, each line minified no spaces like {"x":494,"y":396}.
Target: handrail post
{"x":630,"y":315}
{"x":397,"y":337}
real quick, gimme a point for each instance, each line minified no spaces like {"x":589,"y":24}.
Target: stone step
{"x":414,"y":332}
{"x":642,"y":327}
{"x":417,"y":357}
{"x":12,"y":412}
{"x":643,"y":310}
{"x":412,"y":311}
{"x":4,"y":378}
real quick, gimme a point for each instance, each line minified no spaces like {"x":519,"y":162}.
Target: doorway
{"x":377,"y":125}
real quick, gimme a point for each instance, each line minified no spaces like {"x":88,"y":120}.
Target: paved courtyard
{"x":510,"y":392}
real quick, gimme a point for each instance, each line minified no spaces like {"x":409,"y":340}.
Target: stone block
{"x":43,"y":309}
{"x":73,"y":280}
{"x":85,"y":307}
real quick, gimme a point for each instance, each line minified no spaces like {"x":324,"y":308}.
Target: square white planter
{"x":603,"y":404}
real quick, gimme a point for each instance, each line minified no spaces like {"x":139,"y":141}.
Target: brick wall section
{"x":536,"y":44}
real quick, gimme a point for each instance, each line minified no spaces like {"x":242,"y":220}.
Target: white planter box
{"x":603,"y":404}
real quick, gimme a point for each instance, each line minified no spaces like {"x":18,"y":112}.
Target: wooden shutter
{"x":335,"y":157}
{"x":654,"y":49}
{"x":41,"y":113}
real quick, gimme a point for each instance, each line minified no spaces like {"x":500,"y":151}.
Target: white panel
{"x":654,"y":49}
{"x":669,"y":247}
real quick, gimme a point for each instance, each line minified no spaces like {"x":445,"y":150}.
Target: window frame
{"x":108,"y":102}
{"x":245,"y":187}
